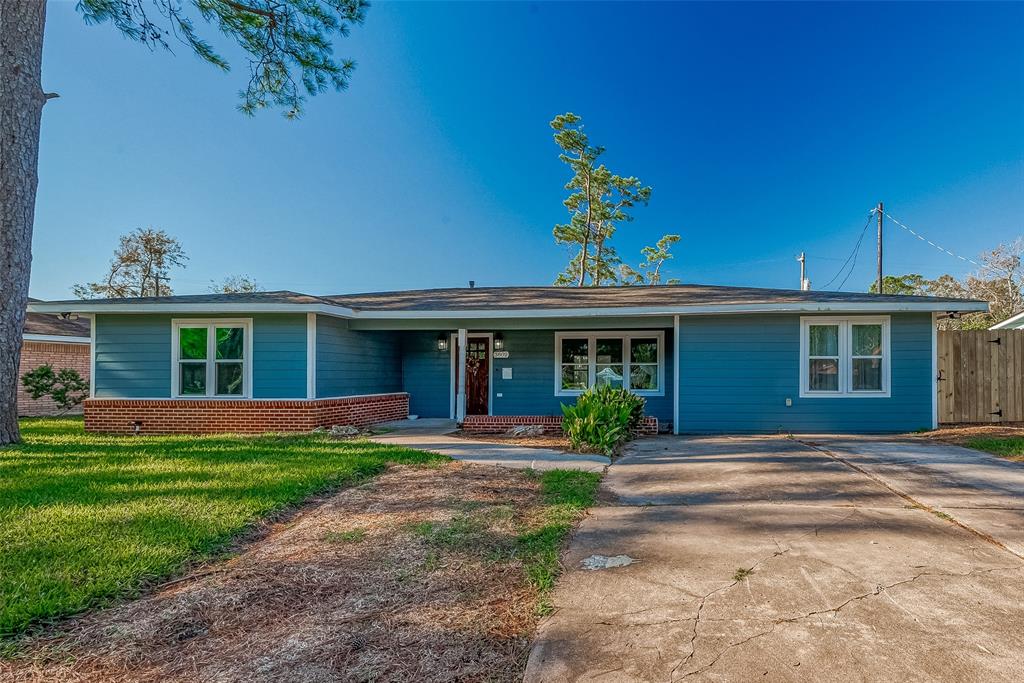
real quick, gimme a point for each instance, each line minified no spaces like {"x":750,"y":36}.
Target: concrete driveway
{"x":761,"y":558}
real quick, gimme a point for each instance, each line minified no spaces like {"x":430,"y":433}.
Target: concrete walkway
{"x":761,"y":558}
{"x":435,"y":435}
{"x":979,"y":490}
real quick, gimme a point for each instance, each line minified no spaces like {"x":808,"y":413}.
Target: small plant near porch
{"x":603,"y":419}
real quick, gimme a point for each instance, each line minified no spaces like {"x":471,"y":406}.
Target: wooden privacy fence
{"x":981,"y":376}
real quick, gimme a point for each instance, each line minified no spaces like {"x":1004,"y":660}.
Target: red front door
{"x":478,"y":372}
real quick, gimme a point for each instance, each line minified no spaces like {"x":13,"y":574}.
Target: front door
{"x":478,"y":372}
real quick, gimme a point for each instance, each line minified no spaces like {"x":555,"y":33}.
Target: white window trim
{"x":627,"y":338}
{"x":244,"y":323}
{"x":845,"y":356}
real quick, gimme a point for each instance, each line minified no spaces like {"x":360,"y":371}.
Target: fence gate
{"x":981,"y":376}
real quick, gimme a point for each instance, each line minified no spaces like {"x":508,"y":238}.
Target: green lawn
{"x":87,"y":518}
{"x":1010,"y":447}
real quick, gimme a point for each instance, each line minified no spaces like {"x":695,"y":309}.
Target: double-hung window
{"x":211,"y":358}
{"x":844,"y":357}
{"x":633,"y":360}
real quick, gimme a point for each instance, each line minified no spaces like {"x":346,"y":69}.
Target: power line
{"x":852,"y":255}
{"x":940,"y":248}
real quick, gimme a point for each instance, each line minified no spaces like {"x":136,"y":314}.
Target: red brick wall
{"x":499,"y":424}
{"x":59,"y":355}
{"x":204,"y":416}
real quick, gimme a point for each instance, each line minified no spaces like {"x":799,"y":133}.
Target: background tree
{"x":290,"y":56}
{"x":597,"y":203}
{"x":235,"y":284}
{"x":141,"y":267}
{"x":999,"y":281}
{"x":649,"y":271}
{"x":911,"y":283}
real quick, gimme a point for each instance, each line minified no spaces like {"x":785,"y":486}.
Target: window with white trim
{"x":844,"y":357}
{"x":211,"y":358}
{"x":634,"y":360}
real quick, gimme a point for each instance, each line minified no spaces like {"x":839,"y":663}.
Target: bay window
{"x":211,"y":358}
{"x":632,"y":360}
{"x":844,"y":357}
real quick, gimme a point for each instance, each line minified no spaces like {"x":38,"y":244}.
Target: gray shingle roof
{"x":42,"y":323}
{"x":512,"y":298}
{"x":551,"y":298}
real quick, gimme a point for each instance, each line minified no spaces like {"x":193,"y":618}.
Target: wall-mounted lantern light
{"x":442,"y":342}
{"x":499,"y":341}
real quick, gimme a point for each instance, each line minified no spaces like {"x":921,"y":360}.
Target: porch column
{"x":460,"y":390}
{"x":675,"y":375}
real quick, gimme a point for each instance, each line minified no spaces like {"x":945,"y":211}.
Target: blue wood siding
{"x":426,"y":375}
{"x":279,"y":355}
{"x":736,"y":373}
{"x":133,"y":355}
{"x":351,"y":362}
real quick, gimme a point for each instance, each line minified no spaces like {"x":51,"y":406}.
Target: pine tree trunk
{"x":21,"y":107}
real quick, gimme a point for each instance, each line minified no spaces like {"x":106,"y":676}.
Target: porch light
{"x":499,"y":341}
{"x":442,"y":342}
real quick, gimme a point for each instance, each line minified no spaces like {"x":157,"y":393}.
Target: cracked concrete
{"x":846,"y":581}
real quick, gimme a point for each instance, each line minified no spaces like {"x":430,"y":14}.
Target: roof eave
{"x":86,"y":306}
{"x":587,"y":312}
{"x":1009,"y":322}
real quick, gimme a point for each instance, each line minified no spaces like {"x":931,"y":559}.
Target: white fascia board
{"x":61,"y":339}
{"x":865,"y":307}
{"x":1010,"y":323}
{"x":215,"y":308}
{"x":342,"y":312}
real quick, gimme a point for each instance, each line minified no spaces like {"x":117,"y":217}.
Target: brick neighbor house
{"x":62,"y":344}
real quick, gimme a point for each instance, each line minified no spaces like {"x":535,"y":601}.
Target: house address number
{"x":501,"y":354}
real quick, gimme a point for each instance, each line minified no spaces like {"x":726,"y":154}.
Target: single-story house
{"x":1014,"y":322}
{"x":707,"y":359}
{"x":61,"y":342}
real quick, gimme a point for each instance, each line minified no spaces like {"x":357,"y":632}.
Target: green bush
{"x":602,"y":419}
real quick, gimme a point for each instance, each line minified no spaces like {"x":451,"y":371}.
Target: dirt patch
{"x":960,"y":434}
{"x":545,"y":441}
{"x":366,"y":585}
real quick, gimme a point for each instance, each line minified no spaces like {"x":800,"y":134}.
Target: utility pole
{"x":805,"y":284}
{"x":880,"y":211}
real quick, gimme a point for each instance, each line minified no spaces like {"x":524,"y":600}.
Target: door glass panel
{"x":824,"y":374}
{"x":867,"y":374}
{"x":192,"y":381}
{"x":230,"y":342}
{"x":192,"y":343}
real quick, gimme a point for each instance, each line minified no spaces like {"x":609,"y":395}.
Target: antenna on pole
{"x":881,"y":213}
{"x":805,"y":284}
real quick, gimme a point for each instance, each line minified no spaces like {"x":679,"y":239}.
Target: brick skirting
{"x":58,"y":354}
{"x":241,"y":416}
{"x":552,"y":424}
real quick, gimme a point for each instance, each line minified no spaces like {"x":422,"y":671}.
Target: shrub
{"x":602,"y":419}
{"x":66,"y":387}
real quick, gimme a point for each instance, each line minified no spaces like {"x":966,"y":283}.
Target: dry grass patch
{"x":553,"y":441}
{"x":422,"y":574}
{"x":1006,"y":441}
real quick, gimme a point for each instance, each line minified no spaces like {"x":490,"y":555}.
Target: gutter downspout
{"x":675,"y":374}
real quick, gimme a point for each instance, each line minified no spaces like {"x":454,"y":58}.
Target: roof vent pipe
{"x":472,"y":284}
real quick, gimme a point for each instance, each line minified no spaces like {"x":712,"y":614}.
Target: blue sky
{"x":764,"y":130}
